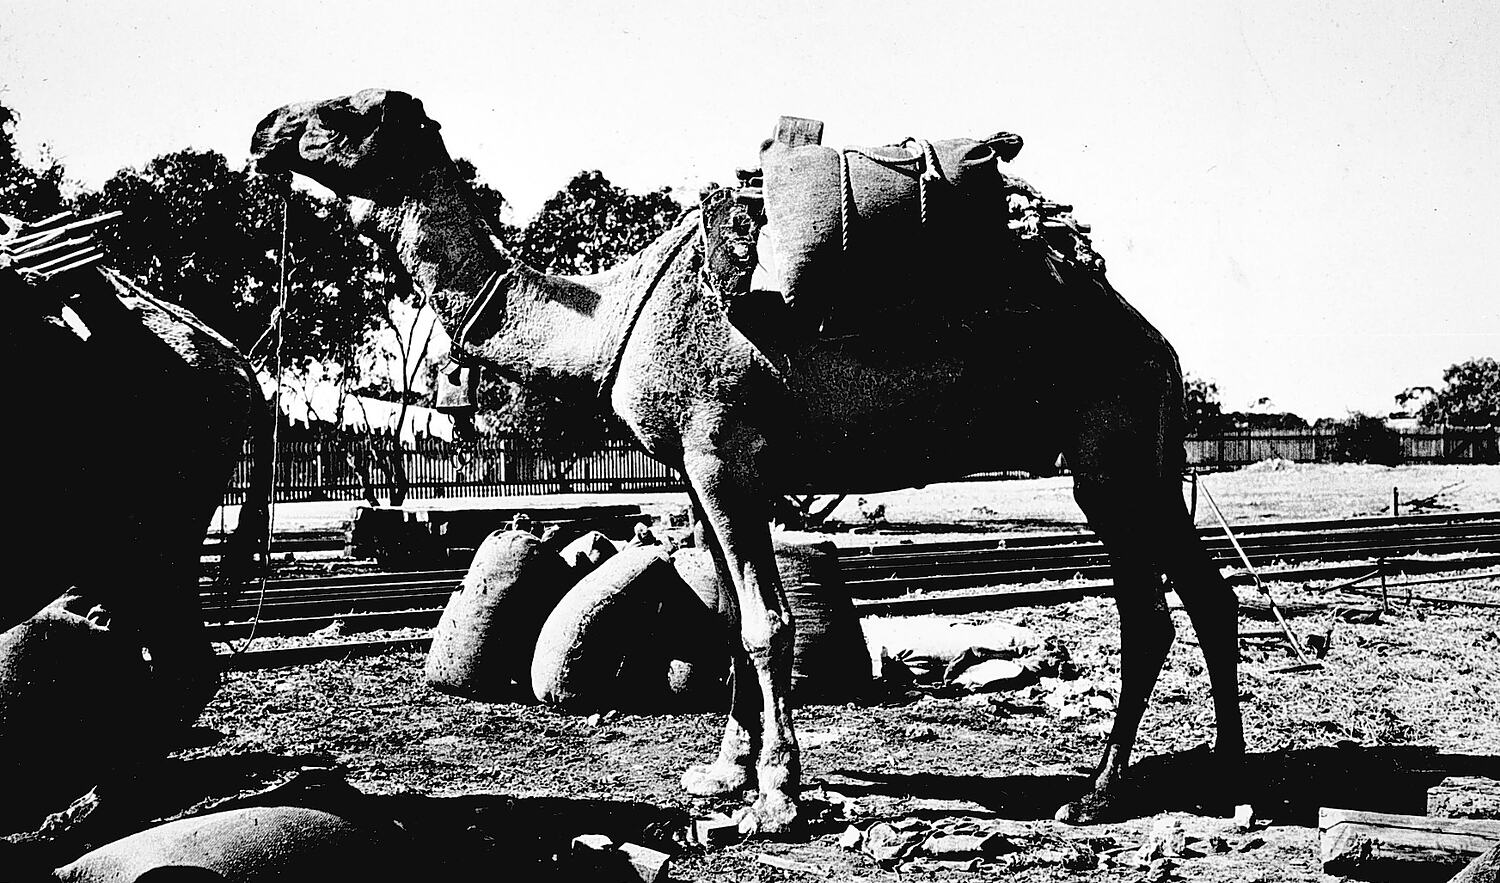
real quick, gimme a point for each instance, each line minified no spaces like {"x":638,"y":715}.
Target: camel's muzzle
{"x":275,"y":145}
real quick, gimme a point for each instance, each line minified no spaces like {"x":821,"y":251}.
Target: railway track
{"x":960,"y":576}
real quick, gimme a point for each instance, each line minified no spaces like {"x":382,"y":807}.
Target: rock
{"x":650,"y":865}
{"x":1244,"y":817}
{"x":716,"y":830}
{"x":993,"y":675}
{"x":1167,"y":840}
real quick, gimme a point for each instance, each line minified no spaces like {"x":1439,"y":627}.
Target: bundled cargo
{"x":631,"y":635}
{"x":484,"y":640}
{"x":887,"y":222}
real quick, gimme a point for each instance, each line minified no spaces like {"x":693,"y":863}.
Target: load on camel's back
{"x":817,"y":221}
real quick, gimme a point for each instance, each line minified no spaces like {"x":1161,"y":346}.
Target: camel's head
{"x":357,"y":146}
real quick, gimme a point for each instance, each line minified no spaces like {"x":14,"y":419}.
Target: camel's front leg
{"x":733,"y":503}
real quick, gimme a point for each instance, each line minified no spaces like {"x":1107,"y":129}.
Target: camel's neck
{"x":533,"y":327}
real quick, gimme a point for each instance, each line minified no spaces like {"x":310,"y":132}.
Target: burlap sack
{"x":630,"y":636}
{"x":246,"y":846}
{"x":75,"y":703}
{"x":587,"y":552}
{"x":487,"y":633}
{"x":830,"y":662}
{"x":844,"y":217}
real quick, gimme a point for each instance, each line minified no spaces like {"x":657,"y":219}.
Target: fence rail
{"x":329,"y":469}
{"x":1421,"y":445}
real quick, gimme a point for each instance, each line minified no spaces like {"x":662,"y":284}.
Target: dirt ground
{"x":1404,"y":699}
{"x":1400,"y":703}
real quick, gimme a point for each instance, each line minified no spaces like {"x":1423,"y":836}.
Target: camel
{"x":1086,"y":376}
{"x":121,"y":461}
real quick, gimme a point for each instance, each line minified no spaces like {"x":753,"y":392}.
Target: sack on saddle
{"x":838,"y":217}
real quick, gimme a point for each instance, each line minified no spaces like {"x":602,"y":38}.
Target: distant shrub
{"x":1364,"y":439}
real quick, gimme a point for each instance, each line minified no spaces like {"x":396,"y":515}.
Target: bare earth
{"x":1417,"y":690}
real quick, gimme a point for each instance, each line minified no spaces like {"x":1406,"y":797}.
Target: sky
{"x":1303,"y":196}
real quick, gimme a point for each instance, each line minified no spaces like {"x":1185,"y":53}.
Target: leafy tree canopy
{"x":591,"y":225}
{"x":1470,"y":395}
{"x":25,"y":192}
{"x":1202,"y":405}
{"x":208,"y":237}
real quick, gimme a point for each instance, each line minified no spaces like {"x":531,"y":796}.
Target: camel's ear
{"x":427,"y":122}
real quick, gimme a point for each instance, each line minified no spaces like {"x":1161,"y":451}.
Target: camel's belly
{"x":871,"y":420}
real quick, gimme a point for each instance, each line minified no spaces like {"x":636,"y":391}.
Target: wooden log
{"x":1385,"y":846}
{"x":1465,"y":797}
{"x":1485,"y":869}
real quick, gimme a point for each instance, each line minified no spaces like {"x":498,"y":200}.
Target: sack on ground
{"x":487,"y":633}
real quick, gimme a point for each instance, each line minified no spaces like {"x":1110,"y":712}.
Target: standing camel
{"x":119,"y":459}
{"x":869,"y":411}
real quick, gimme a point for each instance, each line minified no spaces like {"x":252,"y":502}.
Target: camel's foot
{"x":1098,"y":805}
{"x":714,"y":779}
{"x":772,"y":813}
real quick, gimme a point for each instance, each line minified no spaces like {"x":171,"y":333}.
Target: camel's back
{"x":932,"y":398}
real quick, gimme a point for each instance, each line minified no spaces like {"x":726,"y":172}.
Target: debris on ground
{"x":938,"y":654}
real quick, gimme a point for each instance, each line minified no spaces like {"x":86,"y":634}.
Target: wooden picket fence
{"x":328,"y":469}
{"x":1441,"y":444}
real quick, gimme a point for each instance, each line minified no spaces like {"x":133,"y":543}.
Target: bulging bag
{"x":841,"y":216}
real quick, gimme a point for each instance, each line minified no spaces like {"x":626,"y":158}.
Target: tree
{"x":1201,"y":400}
{"x":30,"y":194}
{"x":208,"y":237}
{"x":1470,"y":395}
{"x":1361,"y":438}
{"x":591,"y":225}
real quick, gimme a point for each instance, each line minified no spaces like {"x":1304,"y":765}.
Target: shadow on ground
{"x":530,"y":837}
{"x":1285,"y":787}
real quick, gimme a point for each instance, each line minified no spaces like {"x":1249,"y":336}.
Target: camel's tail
{"x":247,"y":551}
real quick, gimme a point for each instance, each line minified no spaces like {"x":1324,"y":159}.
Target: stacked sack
{"x":599,"y":625}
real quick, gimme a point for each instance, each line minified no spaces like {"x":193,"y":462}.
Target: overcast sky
{"x":1305,"y":197}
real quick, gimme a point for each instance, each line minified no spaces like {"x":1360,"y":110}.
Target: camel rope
{"x":260,"y":600}
{"x":924,"y":159}
{"x":689,"y":231}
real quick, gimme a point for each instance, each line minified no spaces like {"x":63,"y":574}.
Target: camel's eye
{"x":341,"y":119}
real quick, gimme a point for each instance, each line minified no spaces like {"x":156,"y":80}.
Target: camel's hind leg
{"x":735,"y":508}
{"x":1148,"y":533}
{"x":1146,"y":633}
{"x":1127,"y":461}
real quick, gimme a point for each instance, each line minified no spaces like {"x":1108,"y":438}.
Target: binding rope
{"x":1303,"y":663}
{"x":689,"y":232}
{"x":924,"y":159}
{"x":276,"y":327}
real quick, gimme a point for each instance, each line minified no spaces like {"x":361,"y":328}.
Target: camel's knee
{"x":767,"y":634}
